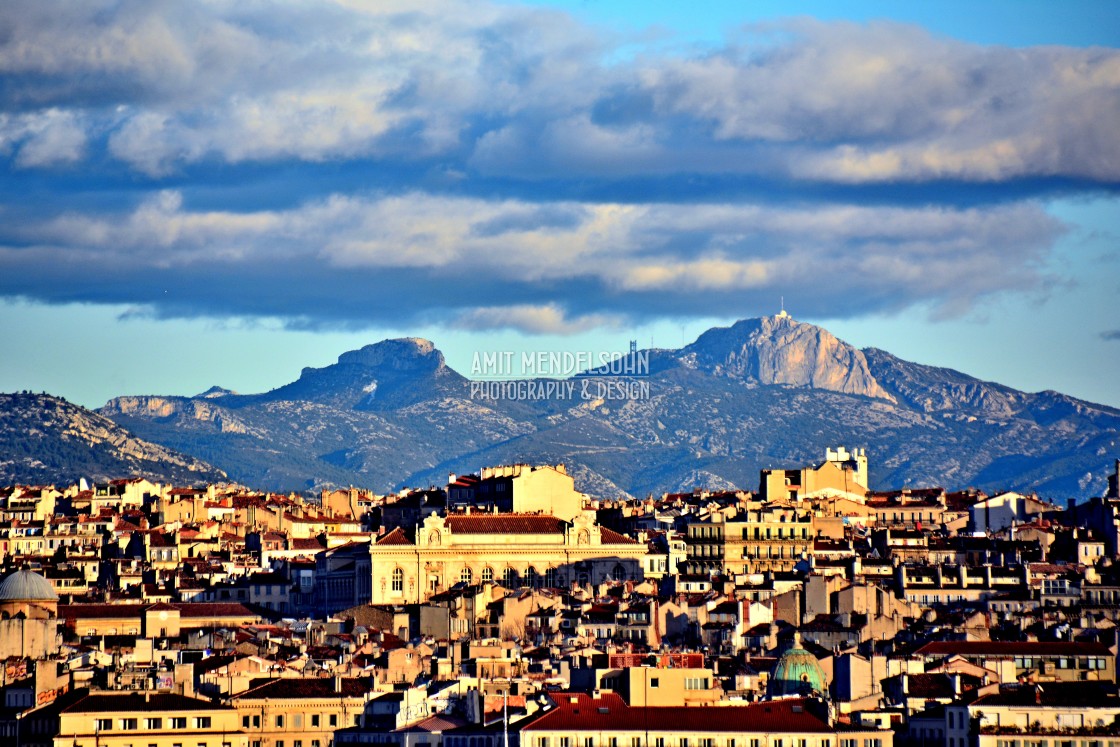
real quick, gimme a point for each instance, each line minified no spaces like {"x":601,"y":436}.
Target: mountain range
{"x":769,"y":392}
{"x":46,"y":440}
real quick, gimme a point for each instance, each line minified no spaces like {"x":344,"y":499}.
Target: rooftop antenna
{"x":782,"y":314}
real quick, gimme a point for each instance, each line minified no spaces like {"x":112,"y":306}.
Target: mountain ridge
{"x":763,"y":392}
{"x":47,"y":439}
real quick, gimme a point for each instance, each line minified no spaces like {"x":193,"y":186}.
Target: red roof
{"x":611,"y":537}
{"x":578,"y":711}
{"x":504,"y":524}
{"x":395,"y":537}
{"x":1013,"y":648}
{"x":187,"y":610}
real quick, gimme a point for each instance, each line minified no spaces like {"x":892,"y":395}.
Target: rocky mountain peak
{"x":402,"y":354}
{"x":781,"y":350}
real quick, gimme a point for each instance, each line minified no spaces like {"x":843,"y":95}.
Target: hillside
{"x":47,"y":440}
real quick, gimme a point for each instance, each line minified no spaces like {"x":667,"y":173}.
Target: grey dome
{"x":27,"y":586}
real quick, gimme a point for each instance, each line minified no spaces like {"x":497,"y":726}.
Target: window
{"x":654,"y":682}
{"x":542,"y":741}
{"x":279,"y":743}
{"x":509,"y":578}
{"x":466,"y":576}
{"x":659,"y":742}
{"x":180,"y":722}
{"x":298,"y":743}
{"x":128,"y":724}
{"x":279,"y":721}
{"x":244,"y":722}
{"x":332,"y":720}
{"x":707,"y":742}
{"x":618,"y":573}
{"x":398,"y":579}
{"x":152,"y":724}
{"x":589,"y":742}
{"x":550,"y":578}
{"x":635,"y":742}
{"x":487,"y":575}
{"x":684,"y":742}
{"x":315,"y":720}
{"x":297,"y":720}
{"x":564,"y":741}
{"x":104,"y":724}
{"x":531,"y":576}
{"x":202,"y":722}
{"x":695,"y":683}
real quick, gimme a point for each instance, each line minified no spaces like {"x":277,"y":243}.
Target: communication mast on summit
{"x":782,"y":314}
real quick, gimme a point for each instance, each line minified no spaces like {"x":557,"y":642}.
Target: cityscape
{"x":559,"y":373}
{"x":506,"y":607}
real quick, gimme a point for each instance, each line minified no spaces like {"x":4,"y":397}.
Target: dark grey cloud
{"x":376,"y":259}
{"x":1112,"y":334}
{"x":489,"y":166}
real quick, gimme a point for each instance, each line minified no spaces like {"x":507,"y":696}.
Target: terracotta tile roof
{"x":580,"y":712}
{"x":1055,"y":694}
{"x":395,"y":537}
{"x":1012,"y":648}
{"x":187,"y":610}
{"x":298,"y":687}
{"x":505,"y":524}
{"x":137,"y":702}
{"x":611,"y":537}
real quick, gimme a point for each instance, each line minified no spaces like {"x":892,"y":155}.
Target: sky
{"x":221,"y":193}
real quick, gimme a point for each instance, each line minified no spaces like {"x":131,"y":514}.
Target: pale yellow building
{"x":131,"y":719}
{"x":301,"y":712}
{"x":518,"y":488}
{"x":842,"y":472}
{"x":514,"y":550}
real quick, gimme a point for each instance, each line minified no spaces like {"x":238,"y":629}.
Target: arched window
{"x":510,"y":579}
{"x":531,"y":576}
{"x":487,"y":574}
{"x":550,"y":578}
{"x":398,"y":579}
{"x":466,"y":576}
{"x":618,"y":573}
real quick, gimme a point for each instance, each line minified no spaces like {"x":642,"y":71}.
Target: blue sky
{"x":224,"y":193}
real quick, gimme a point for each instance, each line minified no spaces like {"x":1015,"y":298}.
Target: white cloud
{"x":526,"y":93}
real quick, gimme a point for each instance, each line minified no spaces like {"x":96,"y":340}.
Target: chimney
{"x":338,"y":683}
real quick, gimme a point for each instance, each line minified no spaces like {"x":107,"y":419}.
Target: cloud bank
{"x":494,"y":166}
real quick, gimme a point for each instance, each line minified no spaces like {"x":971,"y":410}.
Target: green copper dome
{"x":797,"y":673}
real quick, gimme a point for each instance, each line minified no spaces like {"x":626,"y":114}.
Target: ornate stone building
{"x":511,"y":549}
